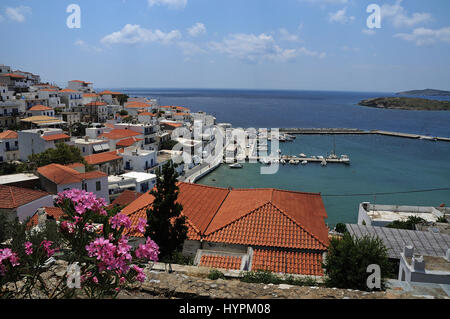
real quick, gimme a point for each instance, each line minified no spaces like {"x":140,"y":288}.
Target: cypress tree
{"x":165,"y":224}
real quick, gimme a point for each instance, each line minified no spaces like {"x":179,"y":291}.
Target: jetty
{"x":353,"y":131}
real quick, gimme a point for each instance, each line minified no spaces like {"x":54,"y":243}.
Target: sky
{"x":232,"y":44}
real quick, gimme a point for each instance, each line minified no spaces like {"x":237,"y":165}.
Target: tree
{"x":123,"y":113}
{"x":348,"y":258}
{"x":122,"y":99}
{"x":62,"y":154}
{"x":165,"y":224}
{"x":341,"y":228}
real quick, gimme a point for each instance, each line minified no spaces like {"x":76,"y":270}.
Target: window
{"x":98,"y":185}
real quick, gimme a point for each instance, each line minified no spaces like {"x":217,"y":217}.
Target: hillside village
{"x":125,"y":140}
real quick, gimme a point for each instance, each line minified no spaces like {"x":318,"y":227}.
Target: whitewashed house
{"x":36,"y":141}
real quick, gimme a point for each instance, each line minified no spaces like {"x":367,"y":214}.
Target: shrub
{"x":91,"y":239}
{"x":341,"y":228}
{"x":409,"y":224}
{"x":348,"y":258}
{"x":442,"y":219}
{"x":215,"y":274}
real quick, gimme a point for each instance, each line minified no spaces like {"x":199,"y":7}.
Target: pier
{"x":351,"y":131}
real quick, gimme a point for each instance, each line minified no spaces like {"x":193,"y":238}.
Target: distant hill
{"x":406,"y":103}
{"x":426,"y":92}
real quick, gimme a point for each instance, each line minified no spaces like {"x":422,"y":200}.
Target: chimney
{"x":418,"y":264}
{"x":42,"y":216}
{"x":408,"y":251}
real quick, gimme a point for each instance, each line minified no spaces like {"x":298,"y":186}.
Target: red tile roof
{"x":101,"y":158}
{"x":8,"y":135}
{"x":147,"y":114}
{"x":137,"y":105}
{"x":90,"y":95}
{"x":291,"y":262}
{"x":220,"y":261}
{"x":173,"y":124}
{"x":265,"y":217}
{"x":97,"y":103}
{"x":13,"y":197}
{"x":12,"y":75}
{"x":68,"y":91}
{"x":128,"y":141}
{"x":107,"y":92}
{"x":40,"y":108}
{"x":126,"y":198}
{"x":54,"y":212}
{"x":55,"y":137}
{"x":63,"y":175}
{"x":117,"y":134}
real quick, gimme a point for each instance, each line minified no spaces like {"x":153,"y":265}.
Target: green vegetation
{"x":409,"y":224}
{"x":215,"y":274}
{"x":442,"y":219}
{"x":168,"y":145}
{"x":166,"y":226}
{"x":122,"y":99}
{"x":426,"y":92}
{"x":62,"y":154}
{"x":348,"y":258}
{"x":267,"y":277}
{"x":78,"y":129}
{"x":406,"y":103}
{"x":123,"y":113}
{"x":340,"y":228}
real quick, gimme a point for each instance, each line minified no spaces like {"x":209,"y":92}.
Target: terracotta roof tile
{"x":63,"y":175}
{"x":13,"y":197}
{"x":55,"y":137}
{"x":101,"y":158}
{"x":8,"y":135}
{"x":220,"y":261}
{"x":128,"y":141}
{"x":126,"y":198}
{"x":117,"y":134}
{"x":40,"y":108}
{"x":291,"y":262}
{"x":54,"y":212}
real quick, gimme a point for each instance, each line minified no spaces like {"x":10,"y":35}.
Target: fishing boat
{"x":283,"y":161}
{"x":302,"y":155}
{"x":304,"y":162}
{"x":236,"y":165}
{"x":323,"y":163}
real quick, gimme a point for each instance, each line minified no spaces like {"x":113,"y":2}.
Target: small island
{"x":406,"y":103}
{"x":426,"y":92}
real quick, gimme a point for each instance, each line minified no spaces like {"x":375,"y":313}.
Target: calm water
{"x":380,"y":164}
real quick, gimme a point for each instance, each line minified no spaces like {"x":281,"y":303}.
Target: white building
{"x":144,"y":181}
{"x":81,"y":86}
{"x":382,"y":215}
{"x":71,"y":98}
{"x":9,"y":146}
{"x":89,"y":146}
{"x":97,"y":130}
{"x":147,"y":131}
{"x":6,"y":95}
{"x":36,"y":141}
{"x":40,"y":110}
{"x":56,"y":178}
{"x":138,"y":160}
{"x":118,"y":184}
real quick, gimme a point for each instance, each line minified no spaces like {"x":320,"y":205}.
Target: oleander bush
{"x":92,"y":242}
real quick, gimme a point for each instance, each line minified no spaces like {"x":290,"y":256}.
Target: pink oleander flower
{"x":110,"y":256}
{"x":122,"y":280}
{"x":120,"y":220}
{"x":7,"y":254}
{"x":142,"y":225}
{"x":28,"y":248}
{"x":149,"y":250}
{"x":140,"y":273}
{"x":95,"y":280}
{"x":68,"y":227}
{"x":83,"y":201}
{"x":46,"y":244}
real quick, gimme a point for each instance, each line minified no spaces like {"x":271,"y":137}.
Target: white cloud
{"x":340,"y":16}
{"x":399,"y":17}
{"x":18,"y":14}
{"x":135,"y":34}
{"x":423,"y":36}
{"x":172,"y":4}
{"x":197,"y":29}
{"x":286,"y":36}
{"x":87,"y":47}
{"x":190,"y":49}
{"x":258,"y":48}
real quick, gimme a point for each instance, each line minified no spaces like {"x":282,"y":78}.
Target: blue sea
{"x":379,"y":164}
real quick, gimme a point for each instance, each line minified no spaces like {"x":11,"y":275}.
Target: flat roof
{"x":15,"y":178}
{"x":139,"y":176}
